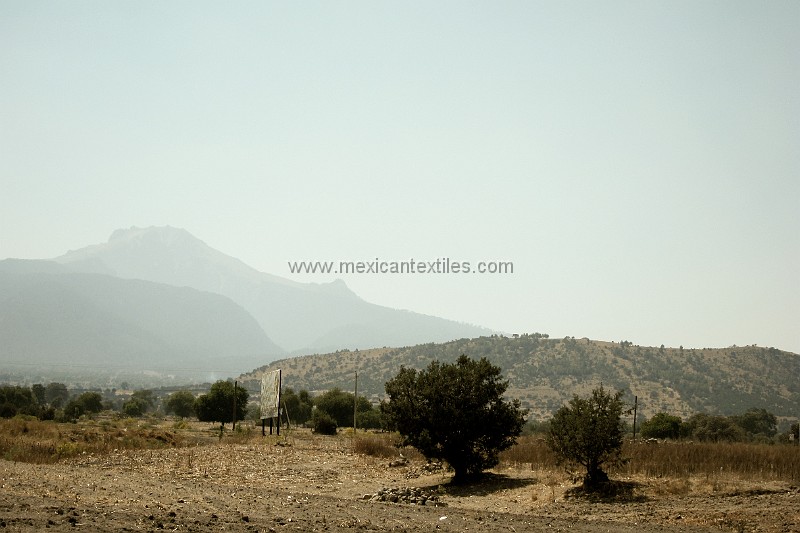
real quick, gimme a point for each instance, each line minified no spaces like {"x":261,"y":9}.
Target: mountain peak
{"x":166,"y":234}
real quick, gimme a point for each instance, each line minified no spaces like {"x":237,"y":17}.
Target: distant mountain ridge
{"x":51,"y":317}
{"x":545,"y":373}
{"x":298,"y":317}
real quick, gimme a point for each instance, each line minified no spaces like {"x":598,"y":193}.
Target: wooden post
{"x":263,"y":427}
{"x":278,"y":402}
{"x":635,"y":406}
{"x":234,"y":405}
{"x":286,"y":412}
{"x":355,"y":406}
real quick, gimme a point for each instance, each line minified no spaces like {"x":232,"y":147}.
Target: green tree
{"x":588,"y":432}
{"x":757,"y":422}
{"x":92,"y":402}
{"x":39,"y":392}
{"x":338,"y":404}
{"x":298,"y":405}
{"x":713,"y":428}
{"x":181,"y":403}
{"x":455,"y":412}
{"x":56,"y":394}
{"x":323,"y":423}
{"x":86,"y":403}
{"x":217,"y":405}
{"x":372,"y":419}
{"x":16,"y":400}
{"x":146,"y":397}
{"x":536,"y":427}
{"x":662,"y":426}
{"x":135,"y":407}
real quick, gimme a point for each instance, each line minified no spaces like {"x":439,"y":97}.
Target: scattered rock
{"x":431,"y":467}
{"x":401,"y":461}
{"x":406,"y":495}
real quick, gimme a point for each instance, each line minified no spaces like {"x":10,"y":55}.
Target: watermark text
{"x":443,"y":265}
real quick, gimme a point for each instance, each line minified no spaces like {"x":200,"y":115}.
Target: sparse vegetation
{"x":29,"y":440}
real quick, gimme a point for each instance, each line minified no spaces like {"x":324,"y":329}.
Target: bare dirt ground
{"x":304,"y":482}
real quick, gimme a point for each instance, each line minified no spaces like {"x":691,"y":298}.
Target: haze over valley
{"x":159,"y":299}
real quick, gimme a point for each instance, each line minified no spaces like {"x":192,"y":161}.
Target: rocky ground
{"x":303,"y":482}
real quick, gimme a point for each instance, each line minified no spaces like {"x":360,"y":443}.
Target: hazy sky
{"x":639,"y":162}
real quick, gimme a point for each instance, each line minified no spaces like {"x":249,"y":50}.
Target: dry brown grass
{"x":34,"y":441}
{"x":383,"y":445}
{"x":529,"y":450}
{"x":680,"y":460}
{"x":747,"y":461}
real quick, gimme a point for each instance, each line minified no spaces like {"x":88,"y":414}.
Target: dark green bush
{"x":323,"y":423}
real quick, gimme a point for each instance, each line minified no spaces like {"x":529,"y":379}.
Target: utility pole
{"x":355,"y":405}
{"x":234,"y":405}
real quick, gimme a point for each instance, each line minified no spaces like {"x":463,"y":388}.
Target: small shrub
{"x":67,"y":449}
{"x":323,"y":423}
{"x":374,"y":446}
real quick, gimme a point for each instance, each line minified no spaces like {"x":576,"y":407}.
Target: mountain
{"x":95,"y":323}
{"x":299,"y":317}
{"x":545,"y":373}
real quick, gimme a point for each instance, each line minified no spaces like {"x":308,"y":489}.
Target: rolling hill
{"x":544,"y":373}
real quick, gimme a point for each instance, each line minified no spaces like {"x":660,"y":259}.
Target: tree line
{"x":325,"y":413}
{"x":754,"y":425}
{"x":335,"y":408}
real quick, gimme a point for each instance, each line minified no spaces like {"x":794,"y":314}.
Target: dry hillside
{"x":544,"y":373}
